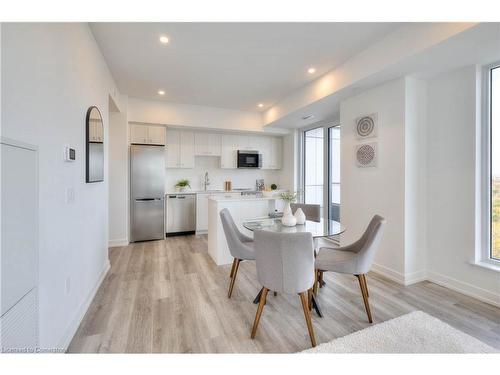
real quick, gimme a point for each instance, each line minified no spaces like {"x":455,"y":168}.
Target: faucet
{"x":207,"y":181}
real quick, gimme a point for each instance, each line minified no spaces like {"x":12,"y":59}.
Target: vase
{"x":288,"y":220}
{"x":300,"y":216}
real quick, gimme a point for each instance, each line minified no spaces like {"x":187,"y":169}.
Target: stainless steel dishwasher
{"x":181,"y":214}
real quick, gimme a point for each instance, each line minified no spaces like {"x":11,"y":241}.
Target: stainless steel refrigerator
{"x":147,"y":192}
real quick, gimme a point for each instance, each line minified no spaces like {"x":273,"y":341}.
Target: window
{"x":494,"y":159}
{"x":313,"y":166}
{"x":334,"y":173}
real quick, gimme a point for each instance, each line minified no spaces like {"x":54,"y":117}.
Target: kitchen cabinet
{"x":180,"y":149}
{"x":202,"y":208}
{"x":207,"y":144}
{"x":147,"y":135}
{"x":230,"y":146}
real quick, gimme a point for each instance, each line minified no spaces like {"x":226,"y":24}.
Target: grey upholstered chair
{"x":240,"y":246}
{"x":355,"y":259}
{"x":285,"y":263}
{"x":312,"y":211}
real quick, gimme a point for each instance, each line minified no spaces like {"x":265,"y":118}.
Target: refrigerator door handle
{"x":145,"y":199}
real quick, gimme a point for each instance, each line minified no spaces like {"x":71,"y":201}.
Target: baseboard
{"x":400,"y":278}
{"x":118,"y":243}
{"x":388,"y":273}
{"x":464,"y":288}
{"x":75,"y":323}
{"x":415,"y":277}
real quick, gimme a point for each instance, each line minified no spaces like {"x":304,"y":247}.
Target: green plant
{"x":274,"y":186}
{"x":289,"y":196}
{"x":183,"y":183}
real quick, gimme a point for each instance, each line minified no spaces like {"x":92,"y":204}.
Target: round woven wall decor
{"x":365,"y":126}
{"x":365,"y":155}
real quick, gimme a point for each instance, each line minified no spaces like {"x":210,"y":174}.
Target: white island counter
{"x":241,"y":208}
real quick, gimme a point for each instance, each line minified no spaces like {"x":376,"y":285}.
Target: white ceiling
{"x":227,"y":65}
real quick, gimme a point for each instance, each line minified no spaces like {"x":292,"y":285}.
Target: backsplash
{"x":241,"y":178}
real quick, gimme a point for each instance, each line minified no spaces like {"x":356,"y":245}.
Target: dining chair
{"x":355,"y":259}
{"x":240,"y":246}
{"x":312,"y":211}
{"x":285,"y":263}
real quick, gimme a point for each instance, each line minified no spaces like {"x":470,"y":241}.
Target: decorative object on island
{"x":366,"y":126}
{"x":227,"y":185}
{"x":259,"y":184}
{"x":274,"y":186}
{"x":182,"y":185}
{"x":300,"y":216}
{"x":366,"y":155}
{"x":288,"y":219}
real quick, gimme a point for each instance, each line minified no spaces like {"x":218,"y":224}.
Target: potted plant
{"x":182,"y":185}
{"x":288,"y":219}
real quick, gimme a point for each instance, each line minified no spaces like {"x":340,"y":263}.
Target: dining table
{"x":318,"y":229}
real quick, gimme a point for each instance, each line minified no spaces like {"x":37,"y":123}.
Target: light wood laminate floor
{"x":168,"y":296}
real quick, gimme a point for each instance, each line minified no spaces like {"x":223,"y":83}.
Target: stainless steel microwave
{"x":249,"y":159}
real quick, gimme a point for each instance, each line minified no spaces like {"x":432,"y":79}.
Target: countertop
{"x":207,"y":191}
{"x":242,"y":198}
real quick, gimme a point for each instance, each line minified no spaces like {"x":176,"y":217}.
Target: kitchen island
{"x":241,"y":208}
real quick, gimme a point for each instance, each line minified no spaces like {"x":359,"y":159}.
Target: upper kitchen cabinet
{"x":274,"y":155}
{"x":147,"y":135}
{"x":180,"y":149}
{"x":207,"y":144}
{"x":230,"y":146}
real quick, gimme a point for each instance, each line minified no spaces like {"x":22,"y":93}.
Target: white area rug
{"x":416,"y":332}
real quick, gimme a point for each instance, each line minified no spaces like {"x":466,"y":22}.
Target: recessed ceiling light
{"x":164,"y":39}
{"x":161,"y":92}
{"x":311,"y":70}
{"x":260,"y":105}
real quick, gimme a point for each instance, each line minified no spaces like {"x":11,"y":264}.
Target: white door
{"x":229,"y":151}
{"x":201,"y":146}
{"x":202,"y":212}
{"x":139,"y":134}
{"x":156,"y":135}
{"x":172,"y":148}
{"x":214,"y":144}
{"x":186,"y":157}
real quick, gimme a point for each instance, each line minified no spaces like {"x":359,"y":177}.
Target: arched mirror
{"x":94,"y":146}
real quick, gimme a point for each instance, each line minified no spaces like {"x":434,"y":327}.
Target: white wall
{"x":415,"y":179}
{"x":166,"y":113}
{"x":51,"y":74}
{"x":450,"y":186}
{"x":119,"y":176}
{"x":379,"y":190}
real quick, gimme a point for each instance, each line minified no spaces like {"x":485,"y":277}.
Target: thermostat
{"x":69,"y":154}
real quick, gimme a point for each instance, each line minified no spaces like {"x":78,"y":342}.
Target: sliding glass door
{"x":321,"y":169}
{"x":334,"y":173}
{"x":313,"y":166}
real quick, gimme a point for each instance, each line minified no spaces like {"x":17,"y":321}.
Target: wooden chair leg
{"x":316,"y":281}
{"x":233,"y":279}
{"x":321,"y":279}
{"x":364,"y":292}
{"x":232,"y":269}
{"x":307,"y":315}
{"x":309,"y":298}
{"x":262,"y":302}
{"x":366,"y":286}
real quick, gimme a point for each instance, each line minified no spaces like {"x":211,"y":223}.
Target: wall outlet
{"x":67,"y":285}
